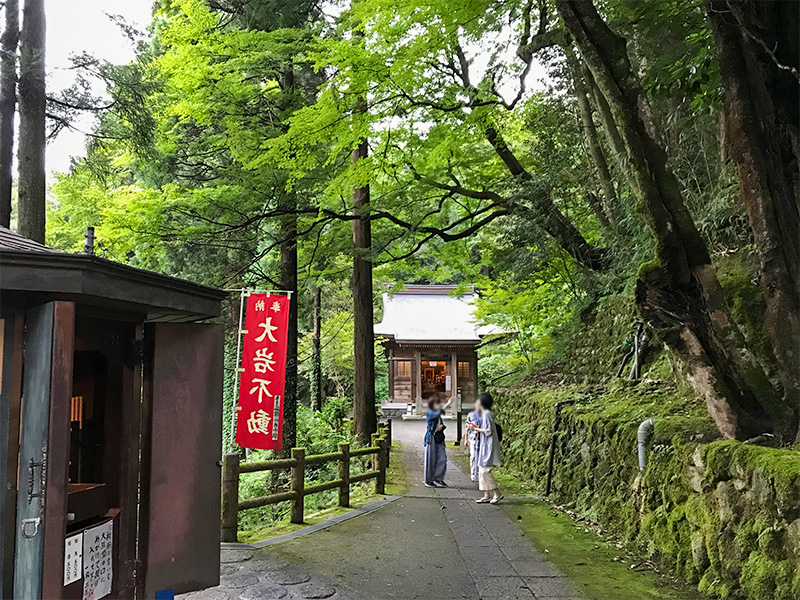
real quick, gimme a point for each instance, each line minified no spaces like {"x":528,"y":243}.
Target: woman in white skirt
{"x":471,"y":439}
{"x":488,"y":455}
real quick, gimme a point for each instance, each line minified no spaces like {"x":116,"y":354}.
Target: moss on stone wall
{"x":722,"y":514}
{"x":596,"y":351}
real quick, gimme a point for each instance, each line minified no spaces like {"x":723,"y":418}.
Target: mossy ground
{"x":360,"y":495}
{"x":596,"y":566}
{"x":283,"y":526}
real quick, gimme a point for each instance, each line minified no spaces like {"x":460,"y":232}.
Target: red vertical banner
{"x":259,"y":423}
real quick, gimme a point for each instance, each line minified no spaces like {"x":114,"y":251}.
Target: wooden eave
{"x":28,"y":277}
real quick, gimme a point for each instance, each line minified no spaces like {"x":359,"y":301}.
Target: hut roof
{"x":31,"y":272}
{"x":13,"y":241}
{"x":430,"y":313}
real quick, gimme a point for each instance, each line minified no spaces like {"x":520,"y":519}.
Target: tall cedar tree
{"x":365,"y":417}
{"x":288,"y":249}
{"x":316,"y":352}
{"x":267,"y":15}
{"x":32,"y":105}
{"x":8,"y":105}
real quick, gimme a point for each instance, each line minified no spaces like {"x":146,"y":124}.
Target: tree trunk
{"x":316,"y":352}
{"x":8,"y":105}
{"x":365,"y":417}
{"x":761,"y":116}
{"x":679,"y":292}
{"x":596,"y":154}
{"x":288,"y":248}
{"x":609,"y":126}
{"x":596,"y":206}
{"x":545,"y":212}
{"x":32,"y":101}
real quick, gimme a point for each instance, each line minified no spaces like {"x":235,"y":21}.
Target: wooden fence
{"x":298,"y":490}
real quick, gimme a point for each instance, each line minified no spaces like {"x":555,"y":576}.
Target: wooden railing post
{"x":387,"y":433}
{"x":230,"y":497}
{"x":374,"y":442}
{"x":298,"y":484}
{"x":380,"y":481}
{"x":344,"y":475}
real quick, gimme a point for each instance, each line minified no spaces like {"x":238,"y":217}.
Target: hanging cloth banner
{"x":263,"y":374}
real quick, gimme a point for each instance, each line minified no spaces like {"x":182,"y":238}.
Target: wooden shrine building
{"x":110,"y":413}
{"x":429,"y":336}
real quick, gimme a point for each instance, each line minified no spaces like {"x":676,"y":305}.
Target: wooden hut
{"x":110,"y":408}
{"x":429,"y":336}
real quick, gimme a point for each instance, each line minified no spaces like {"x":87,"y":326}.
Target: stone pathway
{"x":499,"y":558}
{"x":246,"y":574}
{"x":435,"y":544}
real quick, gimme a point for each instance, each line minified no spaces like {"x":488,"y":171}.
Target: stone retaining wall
{"x":722,"y":514}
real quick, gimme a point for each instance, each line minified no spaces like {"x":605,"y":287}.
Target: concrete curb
{"x":356,"y":512}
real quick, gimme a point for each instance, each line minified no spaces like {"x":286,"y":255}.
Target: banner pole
{"x":259,"y":291}
{"x":236,"y":369}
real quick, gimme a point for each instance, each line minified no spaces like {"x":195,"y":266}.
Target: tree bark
{"x":679,"y":292}
{"x":8,"y":105}
{"x":365,"y":417}
{"x":32,"y":102}
{"x":288,"y":281}
{"x":609,"y":126}
{"x":545,"y":212}
{"x":596,"y":206}
{"x":761,"y":115}
{"x":316,"y":352}
{"x":598,"y":158}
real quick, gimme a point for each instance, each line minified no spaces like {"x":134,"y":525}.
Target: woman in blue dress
{"x":435,"y":462}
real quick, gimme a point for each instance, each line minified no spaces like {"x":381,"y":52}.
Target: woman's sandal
{"x":483,"y":500}
{"x":496,"y":499}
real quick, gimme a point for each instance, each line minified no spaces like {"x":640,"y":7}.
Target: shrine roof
{"x":430,"y":313}
{"x":32,"y":273}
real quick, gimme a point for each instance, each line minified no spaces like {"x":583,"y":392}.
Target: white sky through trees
{"x":77,"y":26}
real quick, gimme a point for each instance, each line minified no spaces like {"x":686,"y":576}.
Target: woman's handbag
{"x":438,"y":435}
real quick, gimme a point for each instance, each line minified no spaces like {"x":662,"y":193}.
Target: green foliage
{"x":224,"y":118}
{"x":684,"y":68}
{"x":335,"y":411}
{"x":226,"y":121}
{"x":318,"y":433}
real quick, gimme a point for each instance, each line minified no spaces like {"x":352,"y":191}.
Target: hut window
{"x":463,"y":370}
{"x":403,"y":368}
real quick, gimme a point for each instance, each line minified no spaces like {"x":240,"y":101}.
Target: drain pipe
{"x":645,"y":432}
{"x":556,"y":423}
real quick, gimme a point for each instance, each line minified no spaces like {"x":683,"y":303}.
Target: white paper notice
{"x":447,"y":383}
{"x":97,"y":561}
{"x":73,"y":559}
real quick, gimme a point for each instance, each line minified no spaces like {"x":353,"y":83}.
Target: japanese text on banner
{"x":259,"y":422}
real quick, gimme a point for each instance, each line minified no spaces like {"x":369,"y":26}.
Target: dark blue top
{"x":432,"y":417}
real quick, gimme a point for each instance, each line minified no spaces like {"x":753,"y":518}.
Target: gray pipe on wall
{"x":645,"y":432}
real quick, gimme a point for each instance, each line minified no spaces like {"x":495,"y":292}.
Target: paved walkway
{"x":435,"y":544}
